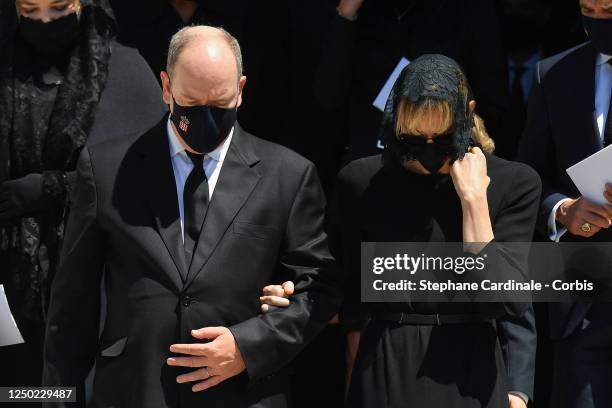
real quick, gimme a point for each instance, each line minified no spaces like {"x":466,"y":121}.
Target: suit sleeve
{"x":73,"y":318}
{"x":537,"y":149}
{"x":518,"y":340}
{"x":270,"y":341}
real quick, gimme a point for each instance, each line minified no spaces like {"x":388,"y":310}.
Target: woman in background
{"x":436,"y":181}
{"x":64,"y":83}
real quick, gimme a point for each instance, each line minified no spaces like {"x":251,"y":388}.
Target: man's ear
{"x":166,"y":88}
{"x":240,"y":89}
{"x":472,"y":106}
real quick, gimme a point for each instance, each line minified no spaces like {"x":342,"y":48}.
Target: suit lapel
{"x":237,"y":179}
{"x":161,"y":187}
{"x":582,"y":89}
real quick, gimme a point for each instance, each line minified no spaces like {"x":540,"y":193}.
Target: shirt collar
{"x":176,"y":148}
{"x":603,"y":59}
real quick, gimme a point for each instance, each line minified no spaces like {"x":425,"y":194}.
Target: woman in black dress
{"x":436,"y":181}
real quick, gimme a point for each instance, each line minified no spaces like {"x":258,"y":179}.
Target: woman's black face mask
{"x":52,"y":39}
{"x":431,"y":154}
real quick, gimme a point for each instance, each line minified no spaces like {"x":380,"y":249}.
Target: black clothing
{"x":260,"y":228}
{"x":458,"y":365}
{"x":195,"y":201}
{"x":550,"y":145}
{"x":560,"y":132}
{"x":47,"y":114}
{"x":359,"y":57}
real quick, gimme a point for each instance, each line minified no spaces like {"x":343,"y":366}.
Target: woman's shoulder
{"x":361,"y":170}
{"x":511,"y":173}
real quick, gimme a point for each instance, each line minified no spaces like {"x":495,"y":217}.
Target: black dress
{"x":458,"y":365}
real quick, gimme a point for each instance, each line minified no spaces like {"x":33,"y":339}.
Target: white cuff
{"x":555,"y":233}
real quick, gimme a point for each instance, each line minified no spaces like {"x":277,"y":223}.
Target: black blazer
{"x":264,"y":225}
{"x":561,"y":130}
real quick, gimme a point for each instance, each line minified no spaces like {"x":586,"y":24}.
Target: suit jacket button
{"x":186,"y":301}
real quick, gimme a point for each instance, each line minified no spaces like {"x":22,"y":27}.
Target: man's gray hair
{"x":182,"y":38}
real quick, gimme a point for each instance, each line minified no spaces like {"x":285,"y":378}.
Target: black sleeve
{"x":283,"y":332}
{"x":518,"y":340}
{"x":346,"y":250}
{"x":73,"y":319}
{"x":537,"y":149}
{"x":333,"y":76}
{"x":508,"y":253}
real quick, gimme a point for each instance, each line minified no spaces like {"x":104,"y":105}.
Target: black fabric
{"x":376,"y":203}
{"x":130,"y":102}
{"x":582,"y":369}
{"x":560,"y":132}
{"x":359,"y":56}
{"x":559,"y":109}
{"x":195,"y":202}
{"x":259,"y":229}
{"x":518,"y":109}
{"x":46,"y":144}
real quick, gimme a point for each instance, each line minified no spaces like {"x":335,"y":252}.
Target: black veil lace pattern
{"x":429,"y":76}
{"x":29,"y":245}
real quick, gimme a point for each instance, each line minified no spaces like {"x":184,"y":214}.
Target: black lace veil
{"x":429,"y":76}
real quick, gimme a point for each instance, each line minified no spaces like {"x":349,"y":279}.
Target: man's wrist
{"x":561,"y":212}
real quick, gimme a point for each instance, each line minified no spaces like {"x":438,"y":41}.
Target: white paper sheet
{"x":9,"y":333}
{"x":383,"y":95}
{"x":592,"y":174}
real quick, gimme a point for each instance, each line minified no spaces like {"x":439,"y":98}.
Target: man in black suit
{"x":189,"y":221}
{"x":568,"y":120}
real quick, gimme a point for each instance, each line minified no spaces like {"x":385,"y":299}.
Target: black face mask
{"x":600,"y":33}
{"x":431,"y":155}
{"x":53,"y":39}
{"x":203,"y":127}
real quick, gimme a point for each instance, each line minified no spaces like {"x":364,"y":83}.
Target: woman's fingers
{"x":288,"y":288}
{"x":273,"y":290}
{"x":277,"y":301}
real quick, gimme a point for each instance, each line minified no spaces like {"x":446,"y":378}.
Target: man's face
{"x":601,"y":9}
{"x":47,"y":10}
{"x":205,"y":74}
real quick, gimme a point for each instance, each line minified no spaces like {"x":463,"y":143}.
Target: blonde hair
{"x":440,"y":115}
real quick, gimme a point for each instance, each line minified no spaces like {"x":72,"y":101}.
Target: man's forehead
{"x":591,"y":3}
{"x":208,"y":60}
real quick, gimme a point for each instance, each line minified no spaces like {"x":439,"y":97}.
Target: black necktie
{"x":195,"y":203}
{"x":608,"y":125}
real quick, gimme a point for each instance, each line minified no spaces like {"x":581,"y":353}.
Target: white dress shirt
{"x":182,"y":166}
{"x":603,"y":94}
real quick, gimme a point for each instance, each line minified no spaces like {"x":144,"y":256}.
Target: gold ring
{"x":586,"y":227}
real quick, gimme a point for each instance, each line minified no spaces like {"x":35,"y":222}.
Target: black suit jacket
{"x":561,"y":130}
{"x":264,"y":225}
